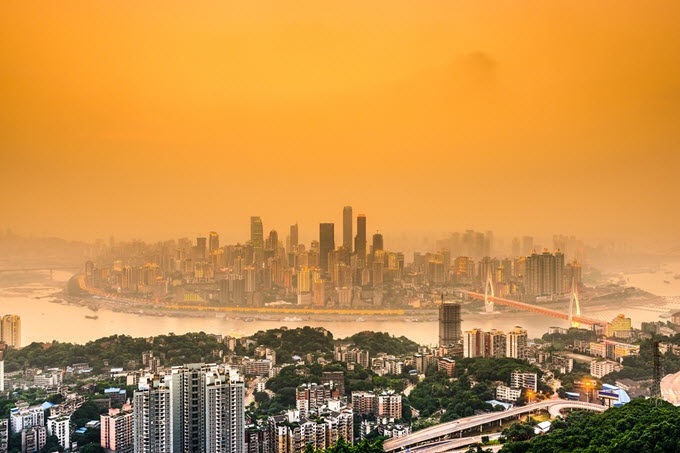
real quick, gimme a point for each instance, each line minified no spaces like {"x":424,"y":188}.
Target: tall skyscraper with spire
{"x":360,"y":239}
{"x":347,"y":233}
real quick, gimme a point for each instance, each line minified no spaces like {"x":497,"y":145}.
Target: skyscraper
{"x":360,"y":240}
{"x":326,"y":244}
{"x":516,"y":346}
{"x":257,"y":237}
{"x":377,"y":242}
{"x":152,"y":419}
{"x":208,"y":411}
{"x":294,"y":240}
{"x":527,"y":245}
{"x":473,"y":343}
{"x":449,"y":324}
{"x":213,"y":241}
{"x":515,"y":248}
{"x":347,"y":234}
{"x":201,"y":244}
{"x":10,"y":330}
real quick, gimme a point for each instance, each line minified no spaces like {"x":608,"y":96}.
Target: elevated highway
{"x":449,"y":430}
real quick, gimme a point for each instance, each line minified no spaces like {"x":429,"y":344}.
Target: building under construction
{"x":449,"y":324}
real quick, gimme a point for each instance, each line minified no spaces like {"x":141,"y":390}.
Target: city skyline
{"x":357,"y":227}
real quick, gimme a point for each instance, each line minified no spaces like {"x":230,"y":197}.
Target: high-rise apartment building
{"x":360,"y":240}
{"x":224,"y":412}
{"x":473,"y":343}
{"x":117,"y":430}
{"x":544,"y":274}
{"x":326,"y":244}
{"x":449,"y":324}
{"x":516,"y":344}
{"x":495,"y":344}
{"x":208,"y":411}
{"x":347,"y":234}
{"x":477,"y":343}
{"x":10,"y":330}
{"x":60,"y":426}
{"x":152,"y":419}
{"x":388,"y":405}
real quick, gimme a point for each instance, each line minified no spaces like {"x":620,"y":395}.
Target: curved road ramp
{"x":455,"y":428}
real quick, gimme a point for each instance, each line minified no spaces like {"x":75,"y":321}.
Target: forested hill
{"x":172,"y":349}
{"x":639,"y":426}
{"x":377,"y":342}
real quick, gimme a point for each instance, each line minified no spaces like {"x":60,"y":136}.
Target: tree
{"x":261,"y":397}
{"x":92,"y":448}
{"x":52,"y":444}
{"x":639,"y":426}
{"x":518,"y":431}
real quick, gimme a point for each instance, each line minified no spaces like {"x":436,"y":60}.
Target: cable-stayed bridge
{"x":574,"y":316}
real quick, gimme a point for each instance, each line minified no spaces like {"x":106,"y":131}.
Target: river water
{"x":44,"y":321}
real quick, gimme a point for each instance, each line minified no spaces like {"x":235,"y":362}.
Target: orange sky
{"x":156,"y":119}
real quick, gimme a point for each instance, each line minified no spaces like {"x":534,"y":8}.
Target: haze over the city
{"x":160,"y":119}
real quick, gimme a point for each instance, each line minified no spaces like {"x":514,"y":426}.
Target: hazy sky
{"x":155,"y":119}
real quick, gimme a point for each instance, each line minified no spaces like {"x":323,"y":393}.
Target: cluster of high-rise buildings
{"x":292,"y":431}
{"x":477,"y":343}
{"x":200,"y":408}
{"x":197,"y":408}
{"x":319,"y":274}
{"x":358,"y":272}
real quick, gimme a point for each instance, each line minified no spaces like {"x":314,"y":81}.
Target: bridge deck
{"x":535,"y":309}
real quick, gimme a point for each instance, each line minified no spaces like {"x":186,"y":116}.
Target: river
{"x":44,"y":321}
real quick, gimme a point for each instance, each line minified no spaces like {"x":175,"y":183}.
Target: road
{"x":670,"y":388}
{"x":250,"y":391}
{"x":448,"y":429}
{"x":451,"y":444}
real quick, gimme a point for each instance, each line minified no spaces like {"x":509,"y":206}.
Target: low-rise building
{"x":600,"y":368}
{"x":257,"y":367}
{"x":447,"y":365}
{"x":4,"y":435}
{"x":526,"y":380}
{"x":505,"y":393}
